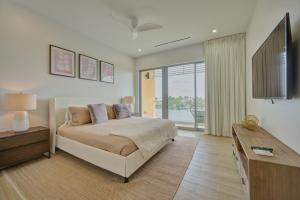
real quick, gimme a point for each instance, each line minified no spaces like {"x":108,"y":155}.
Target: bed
{"x":120,"y":146}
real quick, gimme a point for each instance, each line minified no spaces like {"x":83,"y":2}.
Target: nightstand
{"x":19,"y":147}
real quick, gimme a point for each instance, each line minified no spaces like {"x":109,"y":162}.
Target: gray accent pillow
{"x":122,"y":111}
{"x":98,"y":113}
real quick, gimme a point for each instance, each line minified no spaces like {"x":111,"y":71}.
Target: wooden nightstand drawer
{"x":19,"y":147}
{"x":23,"y":139}
{"x":23,"y":153}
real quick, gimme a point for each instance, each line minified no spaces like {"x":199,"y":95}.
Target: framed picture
{"x":106,"y":72}
{"x":62,"y":61}
{"x":88,"y":68}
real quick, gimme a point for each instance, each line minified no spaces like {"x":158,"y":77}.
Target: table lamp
{"x":129,"y":100}
{"x":20,"y":103}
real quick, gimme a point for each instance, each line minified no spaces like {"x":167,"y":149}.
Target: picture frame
{"x":62,"y":62}
{"x":88,"y":68}
{"x":106,"y":72}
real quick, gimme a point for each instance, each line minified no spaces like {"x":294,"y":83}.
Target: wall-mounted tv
{"x":271,"y":64}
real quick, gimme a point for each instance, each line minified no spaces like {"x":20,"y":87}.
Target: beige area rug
{"x":66,"y":177}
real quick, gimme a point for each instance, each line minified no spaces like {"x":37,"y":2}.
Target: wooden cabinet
{"x":19,"y":147}
{"x":263,"y":177}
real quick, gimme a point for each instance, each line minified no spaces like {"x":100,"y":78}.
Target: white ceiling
{"x":179,"y":18}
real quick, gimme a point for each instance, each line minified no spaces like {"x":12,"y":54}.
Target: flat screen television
{"x":271,"y":64}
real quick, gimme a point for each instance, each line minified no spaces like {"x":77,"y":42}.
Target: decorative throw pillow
{"x":122,"y":111}
{"x":98,"y":113}
{"x":79,"y":115}
{"x":110,"y":112}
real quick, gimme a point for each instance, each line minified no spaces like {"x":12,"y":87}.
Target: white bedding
{"x":147,"y":133}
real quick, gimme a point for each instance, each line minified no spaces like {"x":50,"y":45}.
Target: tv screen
{"x":271,"y":64}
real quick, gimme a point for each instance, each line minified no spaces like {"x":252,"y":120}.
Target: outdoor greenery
{"x":182,"y":103}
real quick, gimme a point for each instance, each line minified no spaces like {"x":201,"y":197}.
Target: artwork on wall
{"x":106,"y":72}
{"x":88,"y":67}
{"x":62,"y":61}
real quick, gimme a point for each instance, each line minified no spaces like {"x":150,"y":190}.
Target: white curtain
{"x":225,"y":83}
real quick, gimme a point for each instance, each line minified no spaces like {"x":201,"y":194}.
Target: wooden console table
{"x":263,"y":177}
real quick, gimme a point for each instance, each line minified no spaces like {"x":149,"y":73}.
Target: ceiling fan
{"x":137,"y":28}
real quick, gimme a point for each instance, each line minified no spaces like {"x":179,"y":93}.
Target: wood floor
{"x":211,"y":175}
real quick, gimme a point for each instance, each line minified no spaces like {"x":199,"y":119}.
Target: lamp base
{"x":21,"y":121}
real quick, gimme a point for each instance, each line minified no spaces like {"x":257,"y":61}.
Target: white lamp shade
{"x":128,"y":100}
{"x":20,"y":102}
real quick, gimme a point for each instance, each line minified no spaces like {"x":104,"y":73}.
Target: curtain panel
{"x":225,"y":83}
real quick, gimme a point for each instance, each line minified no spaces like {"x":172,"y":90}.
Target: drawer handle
{"x":243,"y":181}
{"x":233,"y":153}
{"x":236,"y":158}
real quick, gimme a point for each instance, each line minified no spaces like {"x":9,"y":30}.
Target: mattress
{"x":99,"y":136}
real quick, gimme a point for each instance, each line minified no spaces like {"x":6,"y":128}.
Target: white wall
{"x":24,"y":62}
{"x":282,"y":119}
{"x":181,"y":55}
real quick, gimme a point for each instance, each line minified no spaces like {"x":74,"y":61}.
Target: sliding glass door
{"x":175,"y":92}
{"x":181,"y":95}
{"x":200,"y":95}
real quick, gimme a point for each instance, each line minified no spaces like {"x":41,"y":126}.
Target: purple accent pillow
{"x":122,"y":111}
{"x":98,"y":113}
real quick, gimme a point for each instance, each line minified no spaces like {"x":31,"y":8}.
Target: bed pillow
{"x":121,"y":111}
{"x":110,"y":112}
{"x":79,"y":115}
{"x":98,"y":113}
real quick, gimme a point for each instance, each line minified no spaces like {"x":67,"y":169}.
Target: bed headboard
{"x":57,"y":110}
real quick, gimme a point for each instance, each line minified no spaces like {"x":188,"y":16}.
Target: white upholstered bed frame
{"x":121,"y":165}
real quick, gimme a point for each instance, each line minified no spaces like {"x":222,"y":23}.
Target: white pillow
{"x":98,"y":113}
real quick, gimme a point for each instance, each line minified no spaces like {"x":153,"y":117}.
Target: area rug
{"x":66,"y":177}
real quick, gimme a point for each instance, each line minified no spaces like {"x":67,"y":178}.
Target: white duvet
{"x":147,"y":133}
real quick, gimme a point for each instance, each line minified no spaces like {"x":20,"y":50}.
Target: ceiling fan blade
{"x":148,"y":27}
{"x":123,"y":23}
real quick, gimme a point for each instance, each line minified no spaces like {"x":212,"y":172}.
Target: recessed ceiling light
{"x":139,"y":50}
{"x":214,"y":30}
